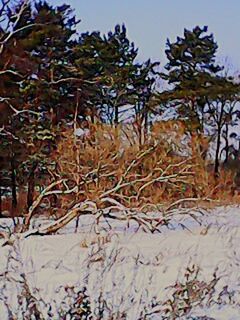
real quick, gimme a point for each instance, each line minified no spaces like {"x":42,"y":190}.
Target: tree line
{"x":52,"y":77}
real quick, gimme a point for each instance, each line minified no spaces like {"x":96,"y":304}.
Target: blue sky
{"x":151,"y":22}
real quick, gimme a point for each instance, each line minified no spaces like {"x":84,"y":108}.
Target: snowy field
{"x":190,"y":269}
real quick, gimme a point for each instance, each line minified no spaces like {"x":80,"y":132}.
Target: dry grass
{"x":109,"y":162}
{"x":111,"y":168}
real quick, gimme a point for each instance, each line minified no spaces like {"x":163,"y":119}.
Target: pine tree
{"x":192,"y":72}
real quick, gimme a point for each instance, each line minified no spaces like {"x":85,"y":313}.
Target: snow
{"x":81,"y":132}
{"x":129,"y":270}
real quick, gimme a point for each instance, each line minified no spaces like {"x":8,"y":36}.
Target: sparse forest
{"x":86,"y":128}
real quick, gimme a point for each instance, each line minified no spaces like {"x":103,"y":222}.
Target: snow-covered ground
{"x":128,"y":274}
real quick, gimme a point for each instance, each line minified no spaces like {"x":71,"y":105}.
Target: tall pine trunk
{"x":219,"y":132}
{"x":145,"y":124}
{"x":13,"y":186}
{"x":226,"y":144}
{"x":31,"y":186}
{"x":116,"y":116}
{"x":217,"y":163}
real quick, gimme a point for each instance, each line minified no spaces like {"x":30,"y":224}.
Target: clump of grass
{"x":188,"y":294}
{"x":77,"y":306}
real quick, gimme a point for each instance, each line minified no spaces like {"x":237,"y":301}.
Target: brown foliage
{"x":109,"y":167}
{"x":108,"y":162}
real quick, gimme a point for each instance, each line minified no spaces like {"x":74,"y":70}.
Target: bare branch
{"x":85,"y":207}
{"x":14,"y":31}
{"x":15,"y":73}
{"x":71,"y":79}
{"x":36,"y":203}
{"x":3,"y":7}
{"x":18,"y":112}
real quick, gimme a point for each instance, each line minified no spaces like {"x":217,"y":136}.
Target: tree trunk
{"x":14,"y":187}
{"x":145,"y":124}
{"x":226,"y":145}
{"x":216,"y":164}
{"x":31,"y":186}
{"x":219,"y":131}
{"x":116,"y":116}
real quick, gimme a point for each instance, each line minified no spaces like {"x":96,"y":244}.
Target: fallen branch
{"x":46,"y":192}
{"x":85,"y":207}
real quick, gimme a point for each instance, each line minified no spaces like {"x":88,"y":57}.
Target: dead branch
{"x":160,"y":179}
{"x":180,"y":201}
{"x":86,"y":207}
{"x":18,"y":112}
{"x":14,"y":31}
{"x":139,"y":157}
{"x":9,"y":71}
{"x":114,"y":202}
{"x":46,"y":192}
{"x":123,"y":185}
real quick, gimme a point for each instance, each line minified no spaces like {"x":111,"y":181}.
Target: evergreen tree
{"x":106,"y":65}
{"x":192,"y":72}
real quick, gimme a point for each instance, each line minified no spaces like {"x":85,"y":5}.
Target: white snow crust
{"x":133,"y":272}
